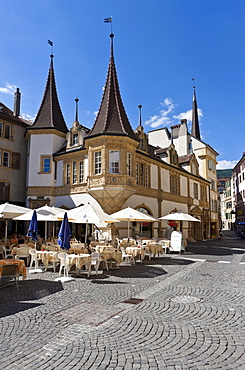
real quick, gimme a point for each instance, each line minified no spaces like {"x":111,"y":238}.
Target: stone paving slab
{"x":189,"y":315}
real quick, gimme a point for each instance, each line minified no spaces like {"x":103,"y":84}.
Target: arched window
{"x":143,"y":229}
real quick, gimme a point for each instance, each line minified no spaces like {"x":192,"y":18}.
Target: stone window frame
{"x":98,"y":162}
{"x":43,"y":158}
{"x":114,"y":162}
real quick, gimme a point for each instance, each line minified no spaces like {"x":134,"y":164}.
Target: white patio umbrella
{"x":9,"y":211}
{"x":45,"y":213}
{"x":88,"y":214}
{"x":130,"y":214}
{"x":179,"y":216}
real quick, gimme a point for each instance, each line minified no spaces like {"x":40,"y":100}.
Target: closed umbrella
{"x":130,"y":214}
{"x":33,"y":234}
{"x":64,"y":243}
{"x":45,"y":213}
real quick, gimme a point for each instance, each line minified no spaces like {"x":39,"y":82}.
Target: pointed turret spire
{"x":112,"y":118}
{"x":195,"y":130}
{"x":49,"y":114}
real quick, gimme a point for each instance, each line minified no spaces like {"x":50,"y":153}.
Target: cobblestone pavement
{"x":167,"y":313}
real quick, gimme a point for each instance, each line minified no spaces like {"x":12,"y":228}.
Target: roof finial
{"x":194,"y":88}
{"x":76,"y":116}
{"x":140,"y":121}
{"x":51,"y":44}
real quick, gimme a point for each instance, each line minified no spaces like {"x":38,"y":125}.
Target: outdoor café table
{"x":79,"y":260}
{"x":20,"y":263}
{"x":47,"y":256}
{"x":136,"y":251}
{"x":165,"y":243}
{"x":102,"y":247}
{"x":77,"y":249}
{"x":111,"y":254}
{"x":154,"y":248}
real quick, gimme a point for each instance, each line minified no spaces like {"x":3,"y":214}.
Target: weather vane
{"x":51,"y":44}
{"x":109,"y":20}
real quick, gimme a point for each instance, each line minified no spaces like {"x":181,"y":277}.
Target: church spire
{"x":112,"y":118}
{"x":195,"y":130}
{"x":49,"y":114}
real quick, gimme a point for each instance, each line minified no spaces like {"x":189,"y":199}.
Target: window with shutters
{"x":195,"y":190}
{"x":16,"y":161}
{"x":174,"y":184}
{"x":7,"y":131}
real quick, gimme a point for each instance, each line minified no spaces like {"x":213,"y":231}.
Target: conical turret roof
{"x":49,"y":114}
{"x":112,"y":118}
{"x":195,"y":130}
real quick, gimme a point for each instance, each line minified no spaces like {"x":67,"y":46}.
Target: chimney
{"x":17,"y":102}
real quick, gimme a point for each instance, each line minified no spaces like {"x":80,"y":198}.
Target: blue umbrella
{"x":64,"y":234}
{"x":32,"y":230}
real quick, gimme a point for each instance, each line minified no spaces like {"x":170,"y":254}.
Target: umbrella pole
{"x":86,"y":232}
{"x":128,"y":231}
{"x":45,"y":232}
{"x":6,"y":231}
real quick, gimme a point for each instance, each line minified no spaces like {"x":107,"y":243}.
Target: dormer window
{"x":75,"y":138}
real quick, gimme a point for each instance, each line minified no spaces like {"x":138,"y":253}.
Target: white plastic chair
{"x":7,"y":252}
{"x":23,"y":252}
{"x":34,"y":260}
{"x":127,"y":258}
{"x":148,"y":253}
{"x":63,"y":263}
{"x":95,"y":262}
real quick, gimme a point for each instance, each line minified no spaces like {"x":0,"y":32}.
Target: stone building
{"x":13,"y":151}
{"x":199,"y":159}
{"x":114,"y":166}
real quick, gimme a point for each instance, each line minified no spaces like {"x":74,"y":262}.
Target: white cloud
{"x":8,"y":89}
{"x":27,"y":117}
{"x":163,"y":117}
{"x":223,"y":165}
{"x":188,"y":115}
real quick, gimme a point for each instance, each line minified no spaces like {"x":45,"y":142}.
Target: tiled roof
{"x":7,"y":114}
{"x":49,"y":114}
{"x":112,"y":118}
{"x":185,"y":158}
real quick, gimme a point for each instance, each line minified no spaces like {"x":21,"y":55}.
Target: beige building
{"x":115,"y":166}
{"x":13,"y":150}
{"x":197,"y":158}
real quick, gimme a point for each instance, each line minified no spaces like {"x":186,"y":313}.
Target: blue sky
{"x":159,"y":47}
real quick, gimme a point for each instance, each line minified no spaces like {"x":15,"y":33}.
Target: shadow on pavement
{"x":147,"y":269}
{"x":11,"y":299}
